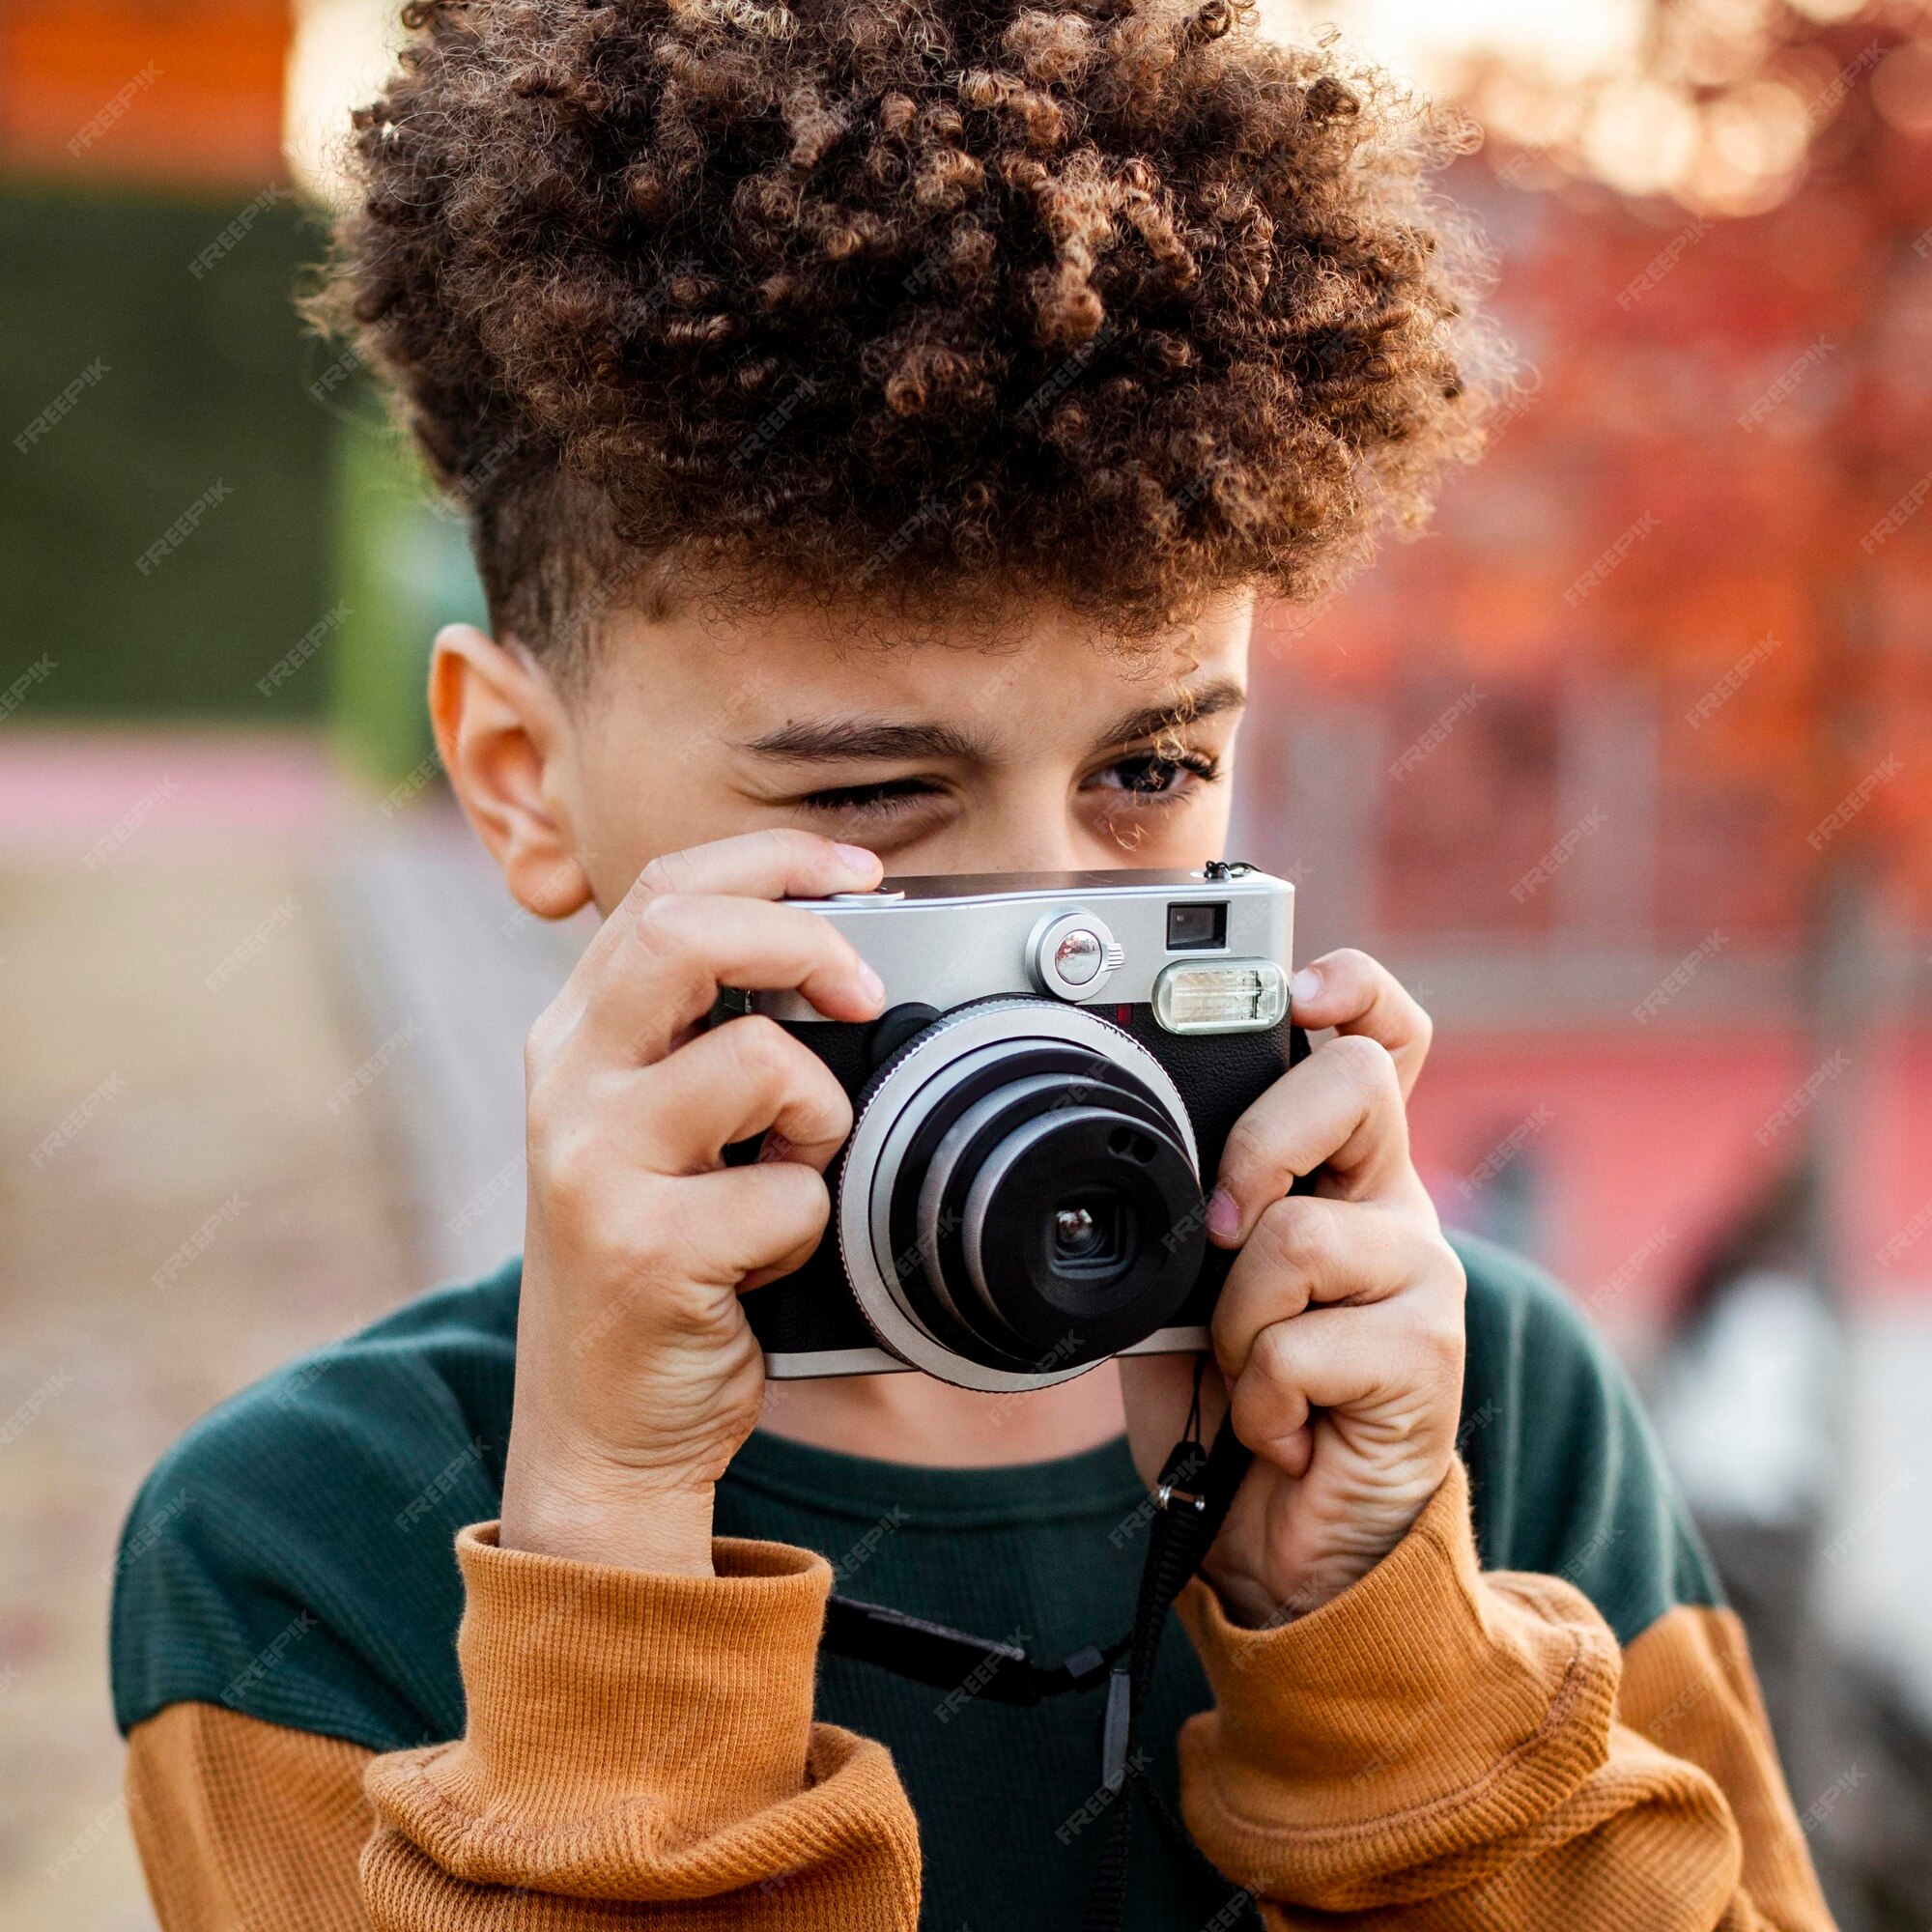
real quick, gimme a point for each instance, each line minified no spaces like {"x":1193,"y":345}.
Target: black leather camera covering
{"x":1219,"y":1076}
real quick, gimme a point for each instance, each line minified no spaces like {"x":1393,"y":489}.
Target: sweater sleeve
{"x":639,"y":1751}
{"x":1441,"y":1750}
{"x":244,"y":1825}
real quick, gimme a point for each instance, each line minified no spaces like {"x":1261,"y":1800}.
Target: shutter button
{"x":1072,"y":955}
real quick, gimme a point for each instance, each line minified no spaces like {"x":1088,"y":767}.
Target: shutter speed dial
{"x":1072,"y":956}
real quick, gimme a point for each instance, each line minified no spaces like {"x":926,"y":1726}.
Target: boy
{"x":877,"y":424}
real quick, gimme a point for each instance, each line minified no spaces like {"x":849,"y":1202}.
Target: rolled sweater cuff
{"x":637,"y":1740}
{"x":1427,"y":1701}
{"x":588,"y":1684}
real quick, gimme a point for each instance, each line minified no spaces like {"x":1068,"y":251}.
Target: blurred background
{"x":1625,"y":767}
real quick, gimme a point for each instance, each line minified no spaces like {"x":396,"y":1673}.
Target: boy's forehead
{"x":1031,"y":672}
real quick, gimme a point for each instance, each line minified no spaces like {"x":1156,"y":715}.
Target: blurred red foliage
{"x":1714,"y":476}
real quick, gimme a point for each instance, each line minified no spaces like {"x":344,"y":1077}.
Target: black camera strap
{"x":1197,"y":1486}
{"x":951,"y":1659}
{"x":1195,"y":1492}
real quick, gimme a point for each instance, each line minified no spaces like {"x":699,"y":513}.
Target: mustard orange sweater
{"x":1444,"y":1745}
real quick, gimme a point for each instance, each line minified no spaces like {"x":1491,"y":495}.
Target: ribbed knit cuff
{"x":1422,"y":1684}
{"x":588,"y":1684}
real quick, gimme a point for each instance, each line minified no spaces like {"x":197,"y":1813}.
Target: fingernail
{"x":1304,"y":985}
{"x":1224,"y":1218}
{"x":858,"y":858}
{"x":874,"y":987}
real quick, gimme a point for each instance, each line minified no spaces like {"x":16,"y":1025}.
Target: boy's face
{"x":1047,"y":751}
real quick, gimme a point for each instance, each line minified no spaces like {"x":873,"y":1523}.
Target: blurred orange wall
{"x":175,"y":92}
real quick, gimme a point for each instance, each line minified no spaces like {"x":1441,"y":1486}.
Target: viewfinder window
{"x":1197,"y":928}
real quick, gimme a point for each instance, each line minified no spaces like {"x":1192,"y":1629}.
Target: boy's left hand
{"x":1340,"y":1329}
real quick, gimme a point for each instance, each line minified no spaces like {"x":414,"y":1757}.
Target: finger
{"x":1355,"y":994}
{"x":1383,"y":1371}
{"x":1341,"y":1108}
{"x":1273,"y":1419}
{"x":1329,"y":1359}
{"x":776,"y":864}
{"x":1307,"y":1250}
{"x":743,"y":1078}
{"x":753,"y":1224}
{"x":683,"y":948}
{"x":771,"y":864}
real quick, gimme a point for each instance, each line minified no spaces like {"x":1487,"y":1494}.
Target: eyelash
{"x":894,"y":794}
{"x":886,"y":795}
{"x":1197,"y":764}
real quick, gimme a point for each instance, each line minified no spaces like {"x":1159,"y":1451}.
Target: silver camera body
{"x":1035,"y":1116}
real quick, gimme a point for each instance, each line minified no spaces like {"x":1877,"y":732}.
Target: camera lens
{"x":1062,"y":1222}
{"x":1019,"y":1198}
{"x":1085,"y":1233}
{"x":1057,"y":1214}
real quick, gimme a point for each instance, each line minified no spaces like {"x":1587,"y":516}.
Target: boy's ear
{"x":504,"y":738}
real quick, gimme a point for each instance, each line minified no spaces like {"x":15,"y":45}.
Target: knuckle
{"x":565,"y":1172}
{"x":1437,"y":1324}
{"x":803,"y":1191}
{"x":664,"y":923}
{"x":544,"y":1039}
{"x":536,"y":1054}
{"x":1353,"y":962}
{"x":1367,"y":1062}
{"x":1290,"y":1230}
{"x":1225,"y":1332}
{"x":763,"y":1050}
{"x":1271,"y":1356}
{"x":1437,"y":1349}
{"x":837,"y":1107}
{"x":1245,"y":1147}
{"x":540,"y":1111}
{"x":615,"y":1242}
{"x":546,"y":1102}
{"x":667,"y":874}
{"x":796,"y":1205}
{"x":1249,"y":1407}
{"x":1449,"y":1334}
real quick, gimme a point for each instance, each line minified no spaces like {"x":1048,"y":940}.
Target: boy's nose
{"x":1024,"y":848}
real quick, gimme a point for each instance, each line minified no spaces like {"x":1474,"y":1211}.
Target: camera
{"x":1034,"y":1115}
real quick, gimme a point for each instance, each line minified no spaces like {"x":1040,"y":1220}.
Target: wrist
{"x":634,"y":1521}
{"x":1259,"y":1594}
{"x":1253,"y":1602}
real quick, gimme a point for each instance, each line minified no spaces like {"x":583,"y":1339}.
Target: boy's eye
{"x":1143,"y":777}
{"x":884,"y":796}
{"x":1156,"y":775}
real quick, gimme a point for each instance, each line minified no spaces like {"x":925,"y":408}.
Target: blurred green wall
{"x":316,"y":565}
{"x":203,"y":383}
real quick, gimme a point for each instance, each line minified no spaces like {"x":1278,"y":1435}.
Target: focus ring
{"x":883,"y":1130}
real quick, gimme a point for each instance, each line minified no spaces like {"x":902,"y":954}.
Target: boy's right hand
{"x":637,"y":1375}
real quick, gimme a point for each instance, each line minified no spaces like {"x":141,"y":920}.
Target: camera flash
{"x":1231,"y":996}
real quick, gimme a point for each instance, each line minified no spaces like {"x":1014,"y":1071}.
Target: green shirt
{"x":290,"y":1558}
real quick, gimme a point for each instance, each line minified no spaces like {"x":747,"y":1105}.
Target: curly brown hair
{"x":1112,"y":300}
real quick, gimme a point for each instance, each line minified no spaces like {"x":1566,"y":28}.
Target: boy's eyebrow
{"x":1158,"y":721}
{"x":823,"y":740}
{"x":827,"y":738}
